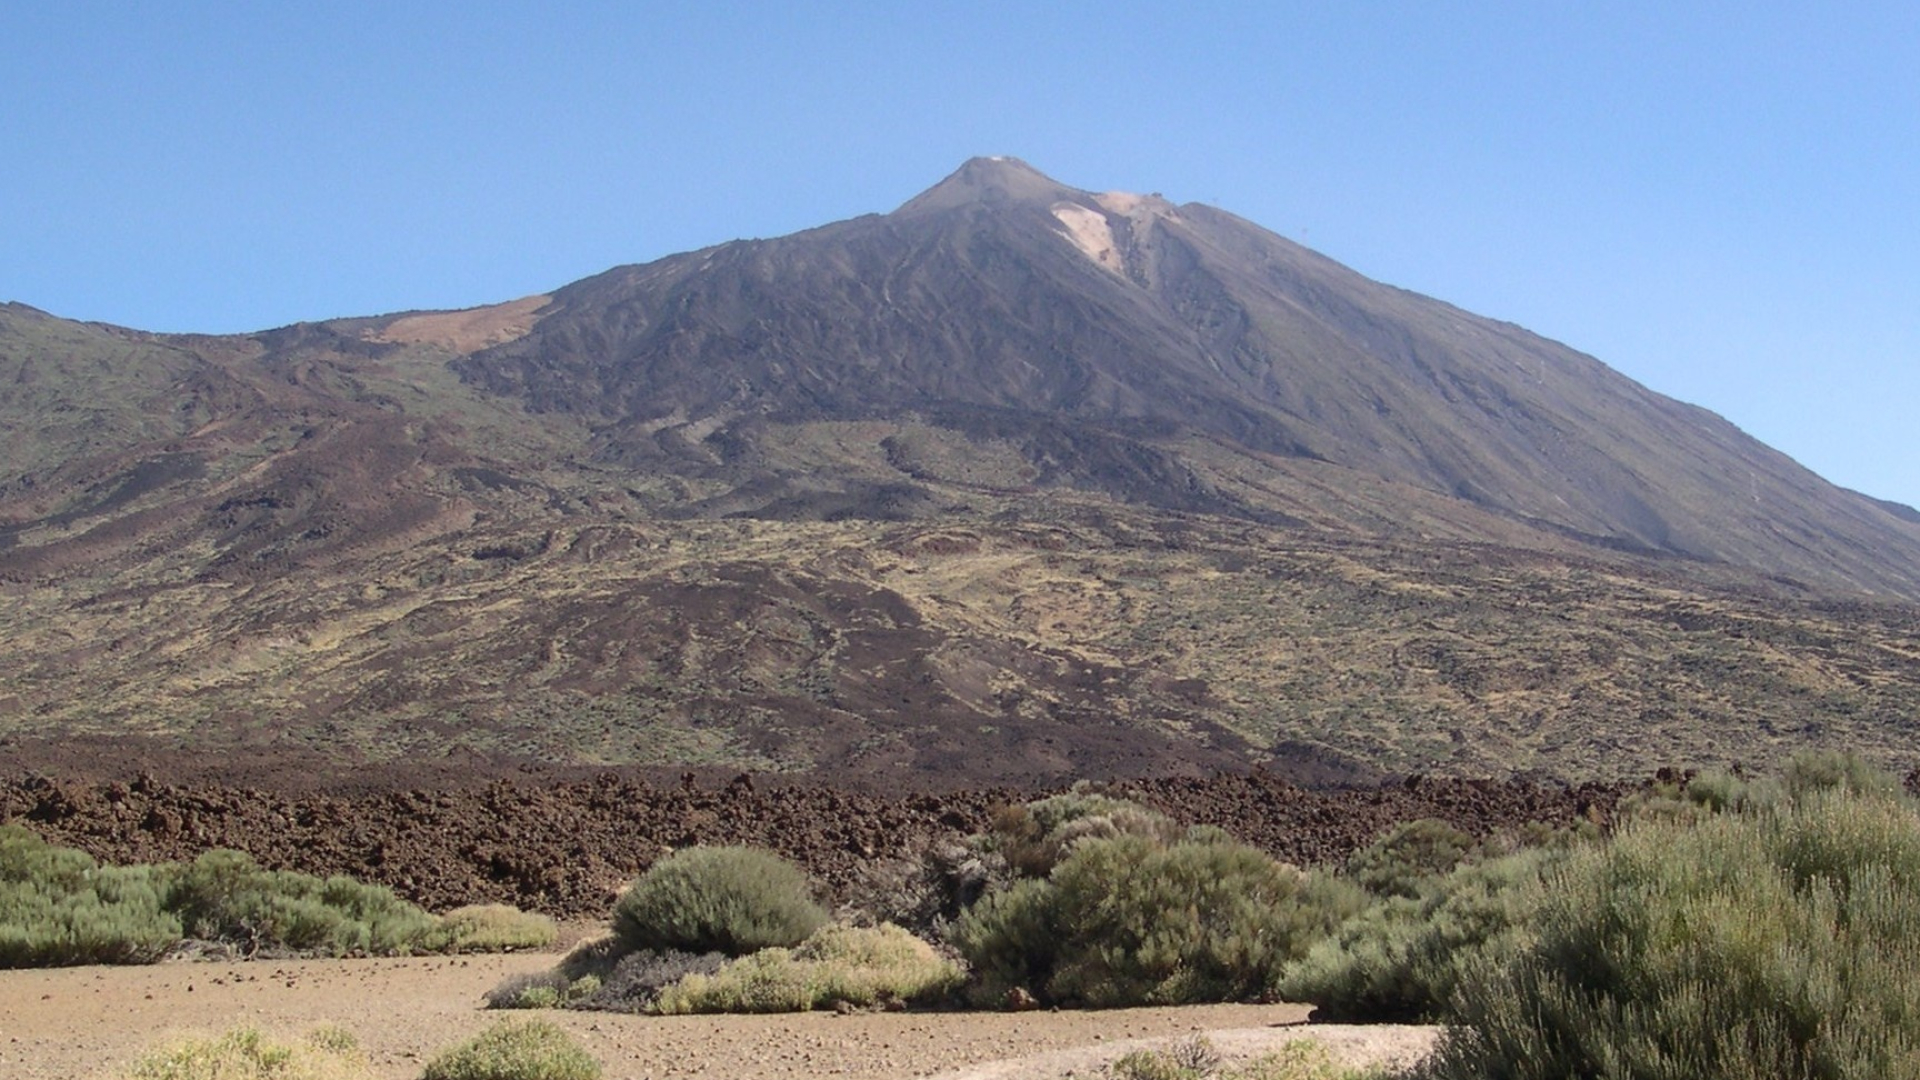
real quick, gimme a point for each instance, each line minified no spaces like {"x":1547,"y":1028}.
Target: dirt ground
{"x":90,"y":1023}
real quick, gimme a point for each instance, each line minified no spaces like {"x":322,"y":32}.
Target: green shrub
{"x":1399,"y":960}
{"x":860,"y":966}
{"x":1809,"y":773}
{"x":1056,"y":811}
{"x":490,"y":928}
{"x":516,"y":1050}
{"x":25,"y":857}
{"x":1192,"y":1058}
{"x":226,"y":896}
{"x":1815,"y":772}
{"x":59,"y":907}
{"x":1034,"y":837}
{"x":732,"y":900}
{"x":1011,"y":940}
{"x":1126,"y":921}
{"x":1410,"y":854}
{"x":1147,"y":1065}
{"x":245,"y":1054}
{"x":1768,"y":944}
{"x":1718,"y":791}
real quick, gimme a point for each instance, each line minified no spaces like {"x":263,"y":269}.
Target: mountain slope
{"x":1014,"y":481}
{"x":1001,"y":305}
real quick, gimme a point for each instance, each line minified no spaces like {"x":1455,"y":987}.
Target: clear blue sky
{"x":1721,"y":200}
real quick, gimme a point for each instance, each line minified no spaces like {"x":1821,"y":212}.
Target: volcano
{"x":1017,"y":477}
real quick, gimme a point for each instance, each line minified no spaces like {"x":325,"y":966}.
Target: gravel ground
{"x":89,"y":1023}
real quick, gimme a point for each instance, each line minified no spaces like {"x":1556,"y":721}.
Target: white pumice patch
{"x":1091,"y":233}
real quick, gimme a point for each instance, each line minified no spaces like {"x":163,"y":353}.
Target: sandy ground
{"x":82,"y":1023}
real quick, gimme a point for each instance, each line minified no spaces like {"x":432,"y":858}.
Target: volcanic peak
{"x":994,"y":181}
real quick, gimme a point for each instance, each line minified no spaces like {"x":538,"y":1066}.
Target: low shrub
{"x":857,"y":966}
{"x":226,"y":896}
{"x":542,"y":990}
{"x":334,"y":1039}
{"x":634,"y":982}
{"x":601,"y":975}
{"x":1820,"y":772}
{"x":491,"y":928}
{"x":59,"y":907}
{"x":516,"y":1050}
{"x":246,"y":1054}
{"x":1191,"y":1058}
{"x":1765,"y":944}
{"x":732,"y":900}
{"x":1196,"y":1059}
{"x":1126,"y":921}
{"x":1408,"y":856}
{"x":1400,"y":959}
{"x":1808,"y":774}
{"x":1036,"y":836}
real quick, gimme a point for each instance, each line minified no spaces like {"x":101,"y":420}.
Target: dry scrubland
{"x":1727,"y":927}
{"x":92,"y":1021}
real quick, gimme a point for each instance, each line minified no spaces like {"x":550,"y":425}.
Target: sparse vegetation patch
{"x":246,"y":1054}
{"x":1196,"y":1059}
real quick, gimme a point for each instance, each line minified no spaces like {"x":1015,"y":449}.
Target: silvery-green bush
{"x":1128,"y":920}
{"x":731,"y":900}
{"x":1773,"y":942}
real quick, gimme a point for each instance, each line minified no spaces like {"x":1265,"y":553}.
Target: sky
{"x":1721,"y":200}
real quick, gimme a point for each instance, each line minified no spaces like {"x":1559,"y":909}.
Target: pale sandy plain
{"x":91,"y":1022}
